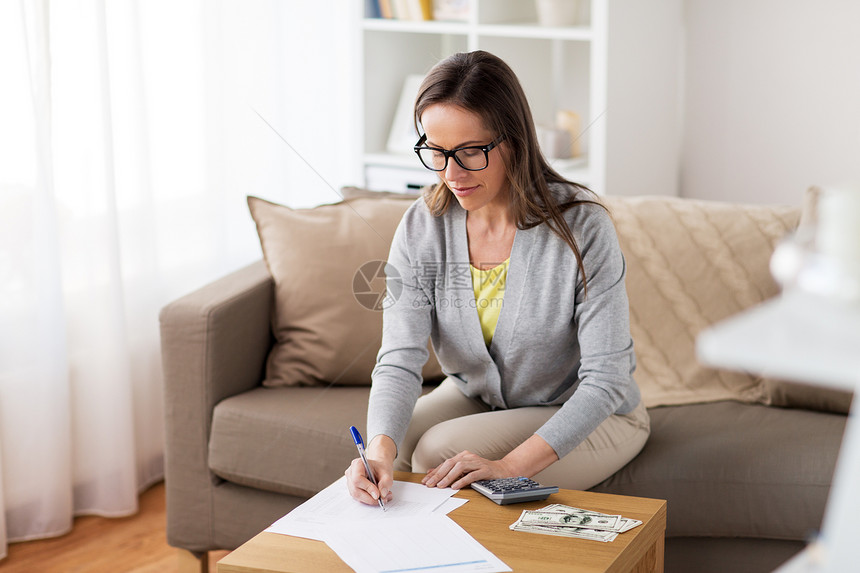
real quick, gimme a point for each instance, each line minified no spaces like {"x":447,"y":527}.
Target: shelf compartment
{"x":555,"y":74}
{"x":400,"y":160}
{"x":508,"y":29}
{"x":388,"y":59}
{"x":531,"y":30}
{"x":416,"y":26}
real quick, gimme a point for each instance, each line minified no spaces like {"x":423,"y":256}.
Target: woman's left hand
{"x":463,"y":469}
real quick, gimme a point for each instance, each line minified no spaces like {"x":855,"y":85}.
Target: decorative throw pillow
{"x":327,"y":266}
{"x":692,"y":263}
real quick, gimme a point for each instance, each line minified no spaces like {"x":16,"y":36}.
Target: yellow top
{"x":489,"y":286}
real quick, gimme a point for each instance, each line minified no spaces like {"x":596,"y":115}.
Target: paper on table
{"x":334,"y":505}
{"x":450,"y":505}
{"x":428,"y":542}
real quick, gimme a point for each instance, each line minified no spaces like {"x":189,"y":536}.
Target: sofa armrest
{"x":214,"y":344}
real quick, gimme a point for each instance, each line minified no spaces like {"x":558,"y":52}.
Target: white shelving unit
{"x":804,"y":338}
{"x":630,"y":126}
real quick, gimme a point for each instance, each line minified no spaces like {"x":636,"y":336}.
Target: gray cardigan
{"x":552,"y":345}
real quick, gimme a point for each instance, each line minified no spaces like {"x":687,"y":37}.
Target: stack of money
{"x":566,"y":521}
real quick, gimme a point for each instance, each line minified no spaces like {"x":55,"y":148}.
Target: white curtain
{"x":130,"y":133}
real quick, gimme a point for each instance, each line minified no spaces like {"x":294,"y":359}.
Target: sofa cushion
{"x":787,"y":394}
{"x":691,"y":263}
{"x":288,"y":440}
{"x":326,"y":265}
{"x":729,"y":469}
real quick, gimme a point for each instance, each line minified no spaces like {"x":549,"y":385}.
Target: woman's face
{"x":451,"y":127}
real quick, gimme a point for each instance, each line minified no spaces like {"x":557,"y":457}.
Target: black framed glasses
{"x":472,"y":158}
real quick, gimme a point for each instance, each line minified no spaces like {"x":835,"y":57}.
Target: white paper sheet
{"x":335,"y":505}
{"x":450,"y":505}
{"x":426,"y":542}
{"x":413,"y":534}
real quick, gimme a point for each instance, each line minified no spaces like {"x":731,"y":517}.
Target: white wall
{"x":772,"y":98}
{"x":645,"y":95}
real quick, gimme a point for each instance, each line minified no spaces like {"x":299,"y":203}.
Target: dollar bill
{"x":627,"y":523}
{"x":572,"y":519}
{"x":557,"y":507}
{"x":577,"y":532}
{"x":567,"y":521}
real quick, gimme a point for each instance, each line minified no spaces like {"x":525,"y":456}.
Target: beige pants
{"x":446,"y":422}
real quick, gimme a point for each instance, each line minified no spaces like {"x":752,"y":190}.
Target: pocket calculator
{"x":513,"y":490}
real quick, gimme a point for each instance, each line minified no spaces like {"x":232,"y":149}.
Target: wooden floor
{"x":134,"y":544}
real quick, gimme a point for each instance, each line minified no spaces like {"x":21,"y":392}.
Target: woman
{"x":516,"y":276}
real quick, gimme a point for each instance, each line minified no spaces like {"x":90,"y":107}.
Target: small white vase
{"x":557,"y":12}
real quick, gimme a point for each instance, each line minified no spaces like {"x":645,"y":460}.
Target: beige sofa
{"x":266,"y":368}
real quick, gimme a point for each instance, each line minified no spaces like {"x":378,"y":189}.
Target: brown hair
{"x":482,"y":83}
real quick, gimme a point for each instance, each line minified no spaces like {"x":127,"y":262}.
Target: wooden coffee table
{"x":638,"y":551}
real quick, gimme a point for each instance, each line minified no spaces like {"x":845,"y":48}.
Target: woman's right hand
{"x":380,"y":455}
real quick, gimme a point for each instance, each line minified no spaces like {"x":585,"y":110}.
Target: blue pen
{"x":359,"y":443}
